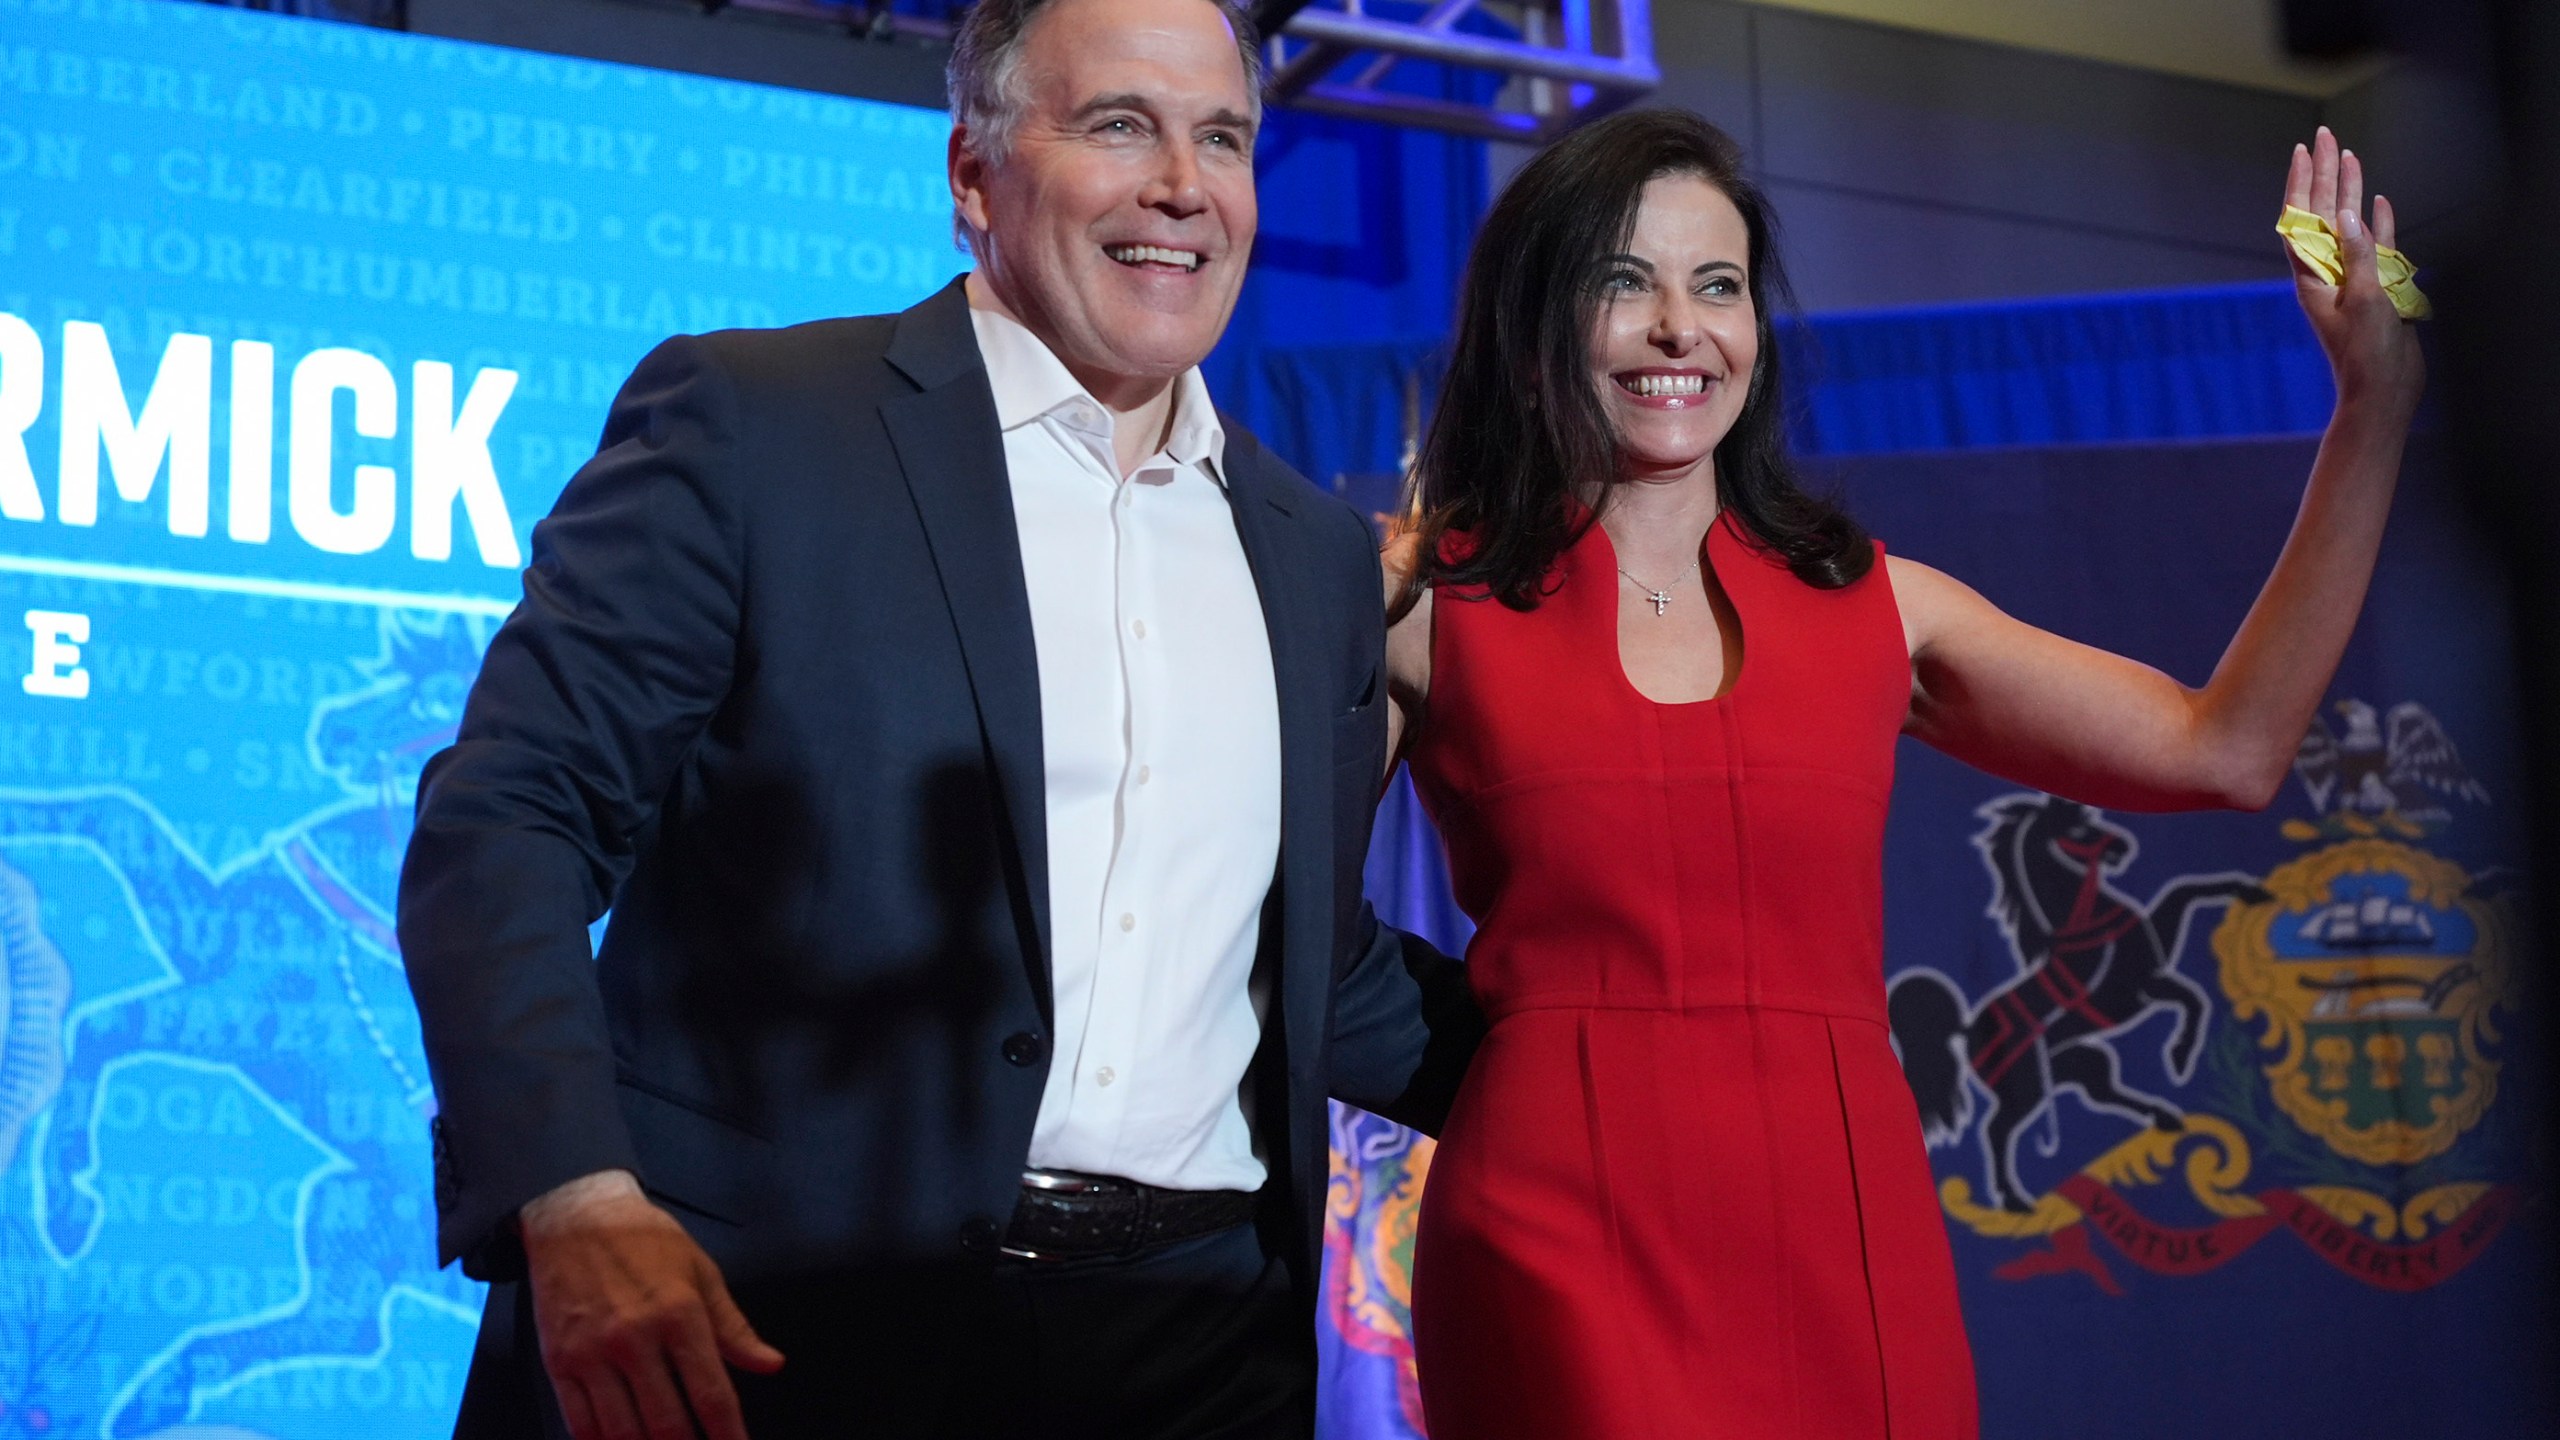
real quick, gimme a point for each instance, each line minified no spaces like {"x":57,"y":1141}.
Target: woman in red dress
{"x":1649,"y":690}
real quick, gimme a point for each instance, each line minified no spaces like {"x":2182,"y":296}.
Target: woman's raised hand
{"x":2373,"y":353}
{"x":2061,"y":716}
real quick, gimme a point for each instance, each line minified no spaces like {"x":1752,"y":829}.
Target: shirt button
{"x":1105,"y":1076}
{"x":1128,"y":923}
{"x":1138,"y":628}
{"x":1145,"y":774}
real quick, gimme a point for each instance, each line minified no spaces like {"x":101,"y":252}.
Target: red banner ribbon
{"x":2178,"y":1250}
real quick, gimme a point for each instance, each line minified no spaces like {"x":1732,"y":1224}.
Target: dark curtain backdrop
{"x":2231,"y":360}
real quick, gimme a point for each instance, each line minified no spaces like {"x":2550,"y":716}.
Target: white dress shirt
{"x":1160,"y":734}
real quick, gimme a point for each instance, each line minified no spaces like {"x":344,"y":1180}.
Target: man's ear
{"x":968,"y":181}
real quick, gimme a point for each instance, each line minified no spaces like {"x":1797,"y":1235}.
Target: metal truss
{"x":1574,"y":60}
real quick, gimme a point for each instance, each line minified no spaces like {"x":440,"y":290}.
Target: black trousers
{"x":1200,"y":1340}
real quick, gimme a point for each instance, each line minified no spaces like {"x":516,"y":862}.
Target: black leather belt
{"x":1061,"y":1215}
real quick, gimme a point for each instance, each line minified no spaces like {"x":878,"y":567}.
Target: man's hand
{"x":635,"y":1320}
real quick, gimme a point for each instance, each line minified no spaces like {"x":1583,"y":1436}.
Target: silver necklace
{"x":1661,"y":598}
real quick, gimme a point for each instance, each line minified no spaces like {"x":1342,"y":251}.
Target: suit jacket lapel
{"x":1298,"y":663}
{"x":952,"y":452}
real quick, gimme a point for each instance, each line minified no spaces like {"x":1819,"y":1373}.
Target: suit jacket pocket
{"x":692,"y":1158}
{"x":1360,"y":735}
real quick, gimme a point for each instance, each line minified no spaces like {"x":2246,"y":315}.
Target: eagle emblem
{"x":2392,"y":771}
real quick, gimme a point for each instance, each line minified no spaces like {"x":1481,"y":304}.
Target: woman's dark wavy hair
{"x":1519,"y":430}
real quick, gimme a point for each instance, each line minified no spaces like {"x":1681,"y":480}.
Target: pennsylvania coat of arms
{"x":2326,"y":1092}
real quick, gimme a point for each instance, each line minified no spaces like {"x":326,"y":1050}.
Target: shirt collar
{"x":1030,"y":383}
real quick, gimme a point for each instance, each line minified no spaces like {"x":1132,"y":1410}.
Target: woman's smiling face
{"x":1677,"y":335}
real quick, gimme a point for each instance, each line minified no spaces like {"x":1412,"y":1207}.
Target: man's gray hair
{"x":985,"y":75}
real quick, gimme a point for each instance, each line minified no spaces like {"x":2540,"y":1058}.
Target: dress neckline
{"x":1718,"y":539}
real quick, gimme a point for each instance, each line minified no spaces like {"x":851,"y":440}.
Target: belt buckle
{"x":1070,"y":1182}
{"x":1065,"y":1184}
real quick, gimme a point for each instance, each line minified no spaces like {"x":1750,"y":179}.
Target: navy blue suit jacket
{"x":772,"y":696}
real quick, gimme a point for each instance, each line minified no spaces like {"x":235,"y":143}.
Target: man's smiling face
{"x":1117,"y":224}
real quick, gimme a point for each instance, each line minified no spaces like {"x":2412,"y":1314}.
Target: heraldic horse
{"x":2093,"y":963}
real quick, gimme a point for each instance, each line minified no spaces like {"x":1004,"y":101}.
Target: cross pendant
{"x":1661,"y":600}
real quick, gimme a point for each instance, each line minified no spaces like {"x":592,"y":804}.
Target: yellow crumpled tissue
{"x":2315,"y":242}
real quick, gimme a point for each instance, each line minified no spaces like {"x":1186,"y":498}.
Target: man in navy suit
{"x":975,"y":735}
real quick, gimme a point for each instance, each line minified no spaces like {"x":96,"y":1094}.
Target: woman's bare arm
{"x":2066,"y":717}
{"x":1408,"y":652}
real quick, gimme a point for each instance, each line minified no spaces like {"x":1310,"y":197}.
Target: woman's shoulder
{"x":1452,"y":547}
{"x":1855,"y":568}
{"x":1408,"y":622}
{"x":1398,"y":559}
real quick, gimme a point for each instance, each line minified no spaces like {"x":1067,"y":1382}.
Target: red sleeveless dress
{"x":1683,"y":1192}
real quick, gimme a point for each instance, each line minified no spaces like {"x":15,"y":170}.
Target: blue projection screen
{"x":302,"y":326}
